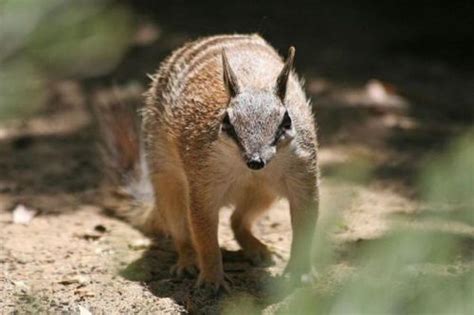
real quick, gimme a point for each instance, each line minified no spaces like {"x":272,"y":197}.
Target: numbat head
{"x":257,"y":121}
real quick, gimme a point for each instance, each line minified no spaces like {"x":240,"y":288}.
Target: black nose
{"x":256,"y":163}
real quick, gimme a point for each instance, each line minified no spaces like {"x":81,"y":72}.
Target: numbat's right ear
{"x":282,"y":80}
{"x":230,"y":80}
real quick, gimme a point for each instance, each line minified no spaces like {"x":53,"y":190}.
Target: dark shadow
{"x":50,"y":172}
{"x":417,"y":47}
{"x":152,"y":270}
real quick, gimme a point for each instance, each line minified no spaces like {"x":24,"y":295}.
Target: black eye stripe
{"x":229,"y":130}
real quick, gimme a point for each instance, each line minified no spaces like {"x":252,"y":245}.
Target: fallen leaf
{"x":21,"y":286}
{"x":23,"y":215}
{"x":84,"y":311}
{"x":146,"y":34}
{"x":377,"y":91}
{"x":141,"y":243}
{"x":384,"y":95}
{"x":79,"y":279}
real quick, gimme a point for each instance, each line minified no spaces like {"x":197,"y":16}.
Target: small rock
{"x":23,"y":215}
{"x":84,"y":292}
{"x":100,"y":228}
{"x":89,"y":236}
{"x":99,"y":250}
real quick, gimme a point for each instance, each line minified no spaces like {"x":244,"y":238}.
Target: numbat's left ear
{"x":230,"y":80}
{"x":282,"y":80}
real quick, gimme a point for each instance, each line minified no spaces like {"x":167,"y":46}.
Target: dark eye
{"x":284,"y":126}
{"x":226,"y":125}
{"x":286,"y":122}
{"x":228,"y":128}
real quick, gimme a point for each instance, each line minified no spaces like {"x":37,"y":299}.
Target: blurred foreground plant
{"x":49,"y":40}
{"x":415,"y":270}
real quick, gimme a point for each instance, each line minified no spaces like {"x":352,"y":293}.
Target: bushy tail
{"x":126,"y":190}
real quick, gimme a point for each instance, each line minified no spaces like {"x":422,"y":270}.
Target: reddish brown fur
{"x":181,"y":123}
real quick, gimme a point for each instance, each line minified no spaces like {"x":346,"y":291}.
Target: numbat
{"x":225,"y":122}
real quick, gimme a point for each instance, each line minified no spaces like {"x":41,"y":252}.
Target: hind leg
{"x":249,"y":207}
{"x":172,"y":204}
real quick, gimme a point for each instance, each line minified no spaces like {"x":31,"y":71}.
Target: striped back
{"x":255,"y":62}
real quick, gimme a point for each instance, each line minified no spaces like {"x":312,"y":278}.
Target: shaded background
{"x":426,"y":43}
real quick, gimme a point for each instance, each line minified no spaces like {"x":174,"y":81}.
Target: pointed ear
{"x":230,"y":80}
{"x":282,"y":80}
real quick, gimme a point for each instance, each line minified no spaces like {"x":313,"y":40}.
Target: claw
{"x":180,"y":271}
{"x":228,"y":279}
{"x":214,"y":288}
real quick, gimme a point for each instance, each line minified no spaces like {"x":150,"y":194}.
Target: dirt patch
{"x":72,"y":255}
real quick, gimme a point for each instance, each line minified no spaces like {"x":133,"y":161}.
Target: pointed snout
{"x":256,"y":163}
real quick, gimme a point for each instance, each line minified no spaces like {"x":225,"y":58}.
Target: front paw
{"x":298,"y":276}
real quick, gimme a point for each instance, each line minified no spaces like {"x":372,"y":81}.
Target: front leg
{"x":204,"y":220}
{"x":303,"y":197}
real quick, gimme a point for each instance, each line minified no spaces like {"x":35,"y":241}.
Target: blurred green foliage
{"x":49,"y":40}
{"x":22,"y":89}
{"x":449,"y":180}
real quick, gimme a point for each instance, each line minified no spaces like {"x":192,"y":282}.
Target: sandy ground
{"x":73,"y":257}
